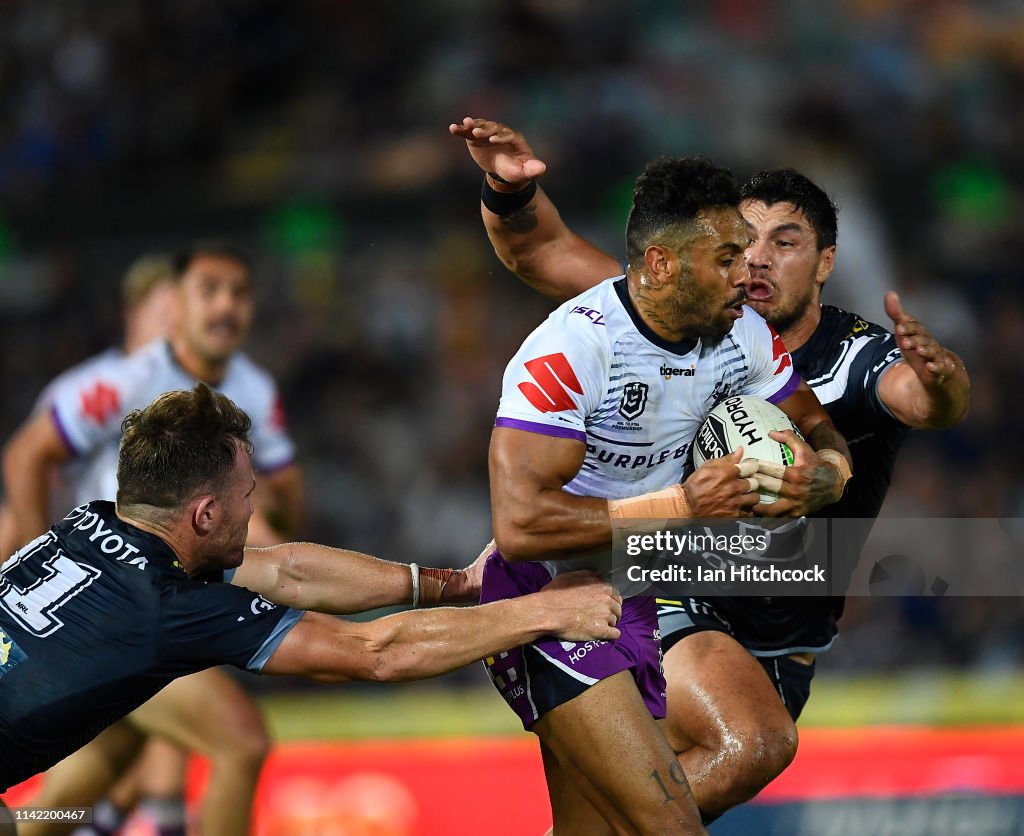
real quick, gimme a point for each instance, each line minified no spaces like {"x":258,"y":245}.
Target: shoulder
{"x":245,"y":375}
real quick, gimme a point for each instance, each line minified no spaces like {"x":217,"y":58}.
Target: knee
{"x":243,"y":737}
{"x":758,"y":754}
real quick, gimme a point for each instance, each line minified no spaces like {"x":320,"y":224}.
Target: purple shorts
{"x":536,"y":677}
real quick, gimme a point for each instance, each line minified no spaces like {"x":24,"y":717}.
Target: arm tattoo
{"x":521,"y":221}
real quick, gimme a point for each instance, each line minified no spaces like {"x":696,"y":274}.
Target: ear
{"x":203,"y":515}
{"x":826,"y":261}
{"x":662,"y":264}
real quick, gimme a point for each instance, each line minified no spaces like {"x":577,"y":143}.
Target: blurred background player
{"x":726,"y":719}
{"x":208,"y":712}
{"x":589,"y":432}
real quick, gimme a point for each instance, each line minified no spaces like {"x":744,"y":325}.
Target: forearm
{"x":549,"y":524}
{"x":323,"y":579}
{"x":535,"y":244}
{"x":419,"y":645}
{"x":825,"y":436}
{"x":944,"y":403}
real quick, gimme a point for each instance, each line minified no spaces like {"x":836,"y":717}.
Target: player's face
{"x":786,"y":267}
{"x":710,"y":294}
{"x":216,"y":306}
{"x":235,"y":508}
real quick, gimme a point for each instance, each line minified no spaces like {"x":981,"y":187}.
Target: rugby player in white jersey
{"x":591,"y":430}
{"x":207,"y":712}
{"x":733,"y":726}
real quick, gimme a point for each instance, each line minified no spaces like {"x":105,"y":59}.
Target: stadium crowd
{"x":129,"y":127}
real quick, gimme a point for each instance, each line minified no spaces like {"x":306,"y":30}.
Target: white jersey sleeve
{"x":273,"y":448}
{"x":770,"y":368}
{"x":88,"y":405}
{"x":558,"y":377}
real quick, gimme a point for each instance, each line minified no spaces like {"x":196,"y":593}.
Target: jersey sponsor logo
{"x":668,"y":372}
{"x":552,"y":374}
{"x":634,"y":400}
{"x":627,"y":461}
{"x":594,"y":316}
{"x":859,"y":325}
{"x":893,"y":355}
{"x":10,"y":654}
{"x":260,"y":604}
{"x":581,"y":650}
{"x":277,"y":418}
{"x":100,"y":401}
{"x":779,"y":352}
{"x":109,"y":542}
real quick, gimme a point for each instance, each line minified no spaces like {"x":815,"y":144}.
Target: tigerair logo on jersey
{"x":668,"y":372}
{"x":100,"y":401}
{"x":10,"y":654}
{"x":553,"y":379}
{"x":109,"y":542}
{"x":779,"y":352}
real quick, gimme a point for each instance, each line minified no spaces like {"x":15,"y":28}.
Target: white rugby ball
{"x":743,"y":420}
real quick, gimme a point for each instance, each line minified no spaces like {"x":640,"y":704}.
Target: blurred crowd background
{"x":314,"y":133}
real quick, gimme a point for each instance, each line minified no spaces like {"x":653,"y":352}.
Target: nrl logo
{"x":634,"y":399}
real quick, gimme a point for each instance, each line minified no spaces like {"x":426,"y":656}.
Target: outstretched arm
{"x":417,"y":645}
{"x":531,"y":239}
{"x":930,"y":389}
{"x":307,"y":576}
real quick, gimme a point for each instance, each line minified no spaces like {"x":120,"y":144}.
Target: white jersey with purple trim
{"x":595,"y":372}
{"x":89,"y":405}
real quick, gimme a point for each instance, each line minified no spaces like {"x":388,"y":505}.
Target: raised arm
{"x":930,"y":389}
{"x":525,"y":228}
{"x":28,"y":462}
{"x":419,"y":645}
{"x":307,"y":576}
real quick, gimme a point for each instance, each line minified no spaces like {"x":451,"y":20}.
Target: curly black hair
{"x":672,"y":191}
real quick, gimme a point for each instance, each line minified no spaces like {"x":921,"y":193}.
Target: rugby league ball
{"x":744,"y":421}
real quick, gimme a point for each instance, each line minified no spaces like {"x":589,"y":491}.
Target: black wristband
{"x":505,"y":203}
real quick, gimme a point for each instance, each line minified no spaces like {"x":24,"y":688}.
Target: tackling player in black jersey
{"x":733,"y":726}
{"x":114,"y":602}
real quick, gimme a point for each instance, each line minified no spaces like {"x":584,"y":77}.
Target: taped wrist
{"x":432,"y":583}
{"x":505,"y":203}
{"x":666,"y":504}
{"x":839,"y":462}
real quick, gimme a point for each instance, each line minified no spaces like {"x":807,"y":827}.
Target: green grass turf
{"x":355,"y":712}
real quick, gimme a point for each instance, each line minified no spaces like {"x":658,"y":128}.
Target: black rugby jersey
{"x":842,"y":362}
{"x":96,"y":616}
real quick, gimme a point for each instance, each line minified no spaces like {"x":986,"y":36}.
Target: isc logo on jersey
{"x":744,"y":420}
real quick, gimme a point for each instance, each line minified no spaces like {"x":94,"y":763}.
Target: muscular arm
{"x":28,"y":462}
{"x":533,"y":242}
{"x":307,"y":576}
{"x":930,"y":389}
{"x":532,"y":517}
{"x":418,"y":645}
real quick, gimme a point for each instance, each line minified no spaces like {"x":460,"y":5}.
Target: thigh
{"x":622,"y":764}
{"x":718,"y":692}
{"x":200,"y":712}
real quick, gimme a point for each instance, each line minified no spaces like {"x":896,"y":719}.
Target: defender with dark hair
{"x":116,"y":601}
{"x":739,"y":669}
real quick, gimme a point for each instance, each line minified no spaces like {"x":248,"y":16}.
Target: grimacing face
{"x":216,"y":306}
{"x":710,"y":294}
{"x":786,"y":268}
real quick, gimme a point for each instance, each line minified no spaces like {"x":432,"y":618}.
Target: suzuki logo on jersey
{"x":553,"y":375}
{"x":779,"y":351}
{"x":668,"y":372}
{"x":100,"y":402}
{"x":634,"y":400}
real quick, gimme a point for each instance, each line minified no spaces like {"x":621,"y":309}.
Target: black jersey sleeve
{"x":220,"y":624}
{"x":872,"y":363}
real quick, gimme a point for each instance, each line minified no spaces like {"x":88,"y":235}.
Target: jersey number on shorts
{"x":57,"y":580}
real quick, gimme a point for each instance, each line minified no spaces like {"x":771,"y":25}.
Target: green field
{"x":350,"y":713}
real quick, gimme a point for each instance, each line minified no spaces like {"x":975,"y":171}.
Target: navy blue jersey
{"x":96,"y":616}
{"x":842,"y":362}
